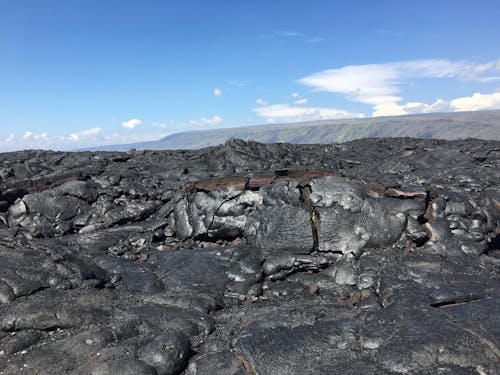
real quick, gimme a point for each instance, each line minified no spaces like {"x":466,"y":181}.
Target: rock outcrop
{"x":375,"y":256}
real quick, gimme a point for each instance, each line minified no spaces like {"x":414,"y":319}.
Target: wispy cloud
{"x":288,"y":113}
{"x":261,"y":102}
{"x":486,"y":72}
{"x":217,"y":92}
{"x":315,"y":40}
{"x":159,"y":125}
{"x":283,"y":33}
{"x":293,"y":34}
{"x":215,"y":120}
{"x":210,"y":121}
{"x":299,"y":100}
{"x":132,"y":123}
{"x":380,"y":84}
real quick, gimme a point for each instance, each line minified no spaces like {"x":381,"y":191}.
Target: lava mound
{"x":377,"y":256}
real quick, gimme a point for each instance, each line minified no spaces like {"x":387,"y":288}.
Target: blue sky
{"x":79,"y":73}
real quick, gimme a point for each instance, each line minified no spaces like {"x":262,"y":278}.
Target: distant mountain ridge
{"x":450,"y":126}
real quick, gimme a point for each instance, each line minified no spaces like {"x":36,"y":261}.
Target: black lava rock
{"x":377,"y":256}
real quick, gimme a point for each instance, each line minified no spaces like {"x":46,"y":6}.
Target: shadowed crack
{"x":305,"y":197}
{"x":455,"y":301}
{"x":493,"y":244}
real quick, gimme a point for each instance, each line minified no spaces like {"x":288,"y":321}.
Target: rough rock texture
{"x":375,"y":256}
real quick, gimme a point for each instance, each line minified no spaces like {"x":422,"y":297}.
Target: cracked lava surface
{"x":377,"y":256}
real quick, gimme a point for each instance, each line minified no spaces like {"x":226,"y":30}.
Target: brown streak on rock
{"x":211,"y":184}
{"x":244,"y":361}
{"x":391,"y":192}
{"x":261,"y":179}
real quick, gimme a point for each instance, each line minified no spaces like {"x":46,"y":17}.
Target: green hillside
{"x":482,"y":125}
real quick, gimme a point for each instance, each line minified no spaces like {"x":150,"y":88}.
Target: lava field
{"x":376,"y":256}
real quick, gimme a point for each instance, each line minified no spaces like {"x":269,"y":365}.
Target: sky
{"x":82,"y":73}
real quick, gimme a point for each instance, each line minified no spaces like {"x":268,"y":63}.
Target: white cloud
{"x":132,"y":123}
{"x":379,"y":84}
{"x":28,"y":135}
{"x":215,"y":120}
{"x":261,"y":102}
{"x":75,"y":140}
{"x":299,"y":99}
{"x":159,"y":125}
{"x":476,"y":102}
{"x":394,"y":109}
{"x":285,"y":112}
{"x":476,"y":71}
{"x":84,"y":134}
{"x":217,"y":92}
{"x":90,"y":132}
{"x":28,"y":140}
{"x":211,"y":121}
{"x":373,"y":84}
{"x":43,"y":136}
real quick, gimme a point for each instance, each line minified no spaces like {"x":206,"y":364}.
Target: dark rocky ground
{"x":372,"y":257}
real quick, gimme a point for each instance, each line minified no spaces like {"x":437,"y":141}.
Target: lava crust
{"x":377,"y":256}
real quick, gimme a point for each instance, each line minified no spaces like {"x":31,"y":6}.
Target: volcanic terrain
{"x":376,"y":256}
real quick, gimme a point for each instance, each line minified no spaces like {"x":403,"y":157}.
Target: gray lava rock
{"x":377,"y":256}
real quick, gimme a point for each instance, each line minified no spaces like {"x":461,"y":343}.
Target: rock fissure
{"x":305,"y":196}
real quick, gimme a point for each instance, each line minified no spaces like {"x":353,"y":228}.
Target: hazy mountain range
{"x":480,"y":124}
